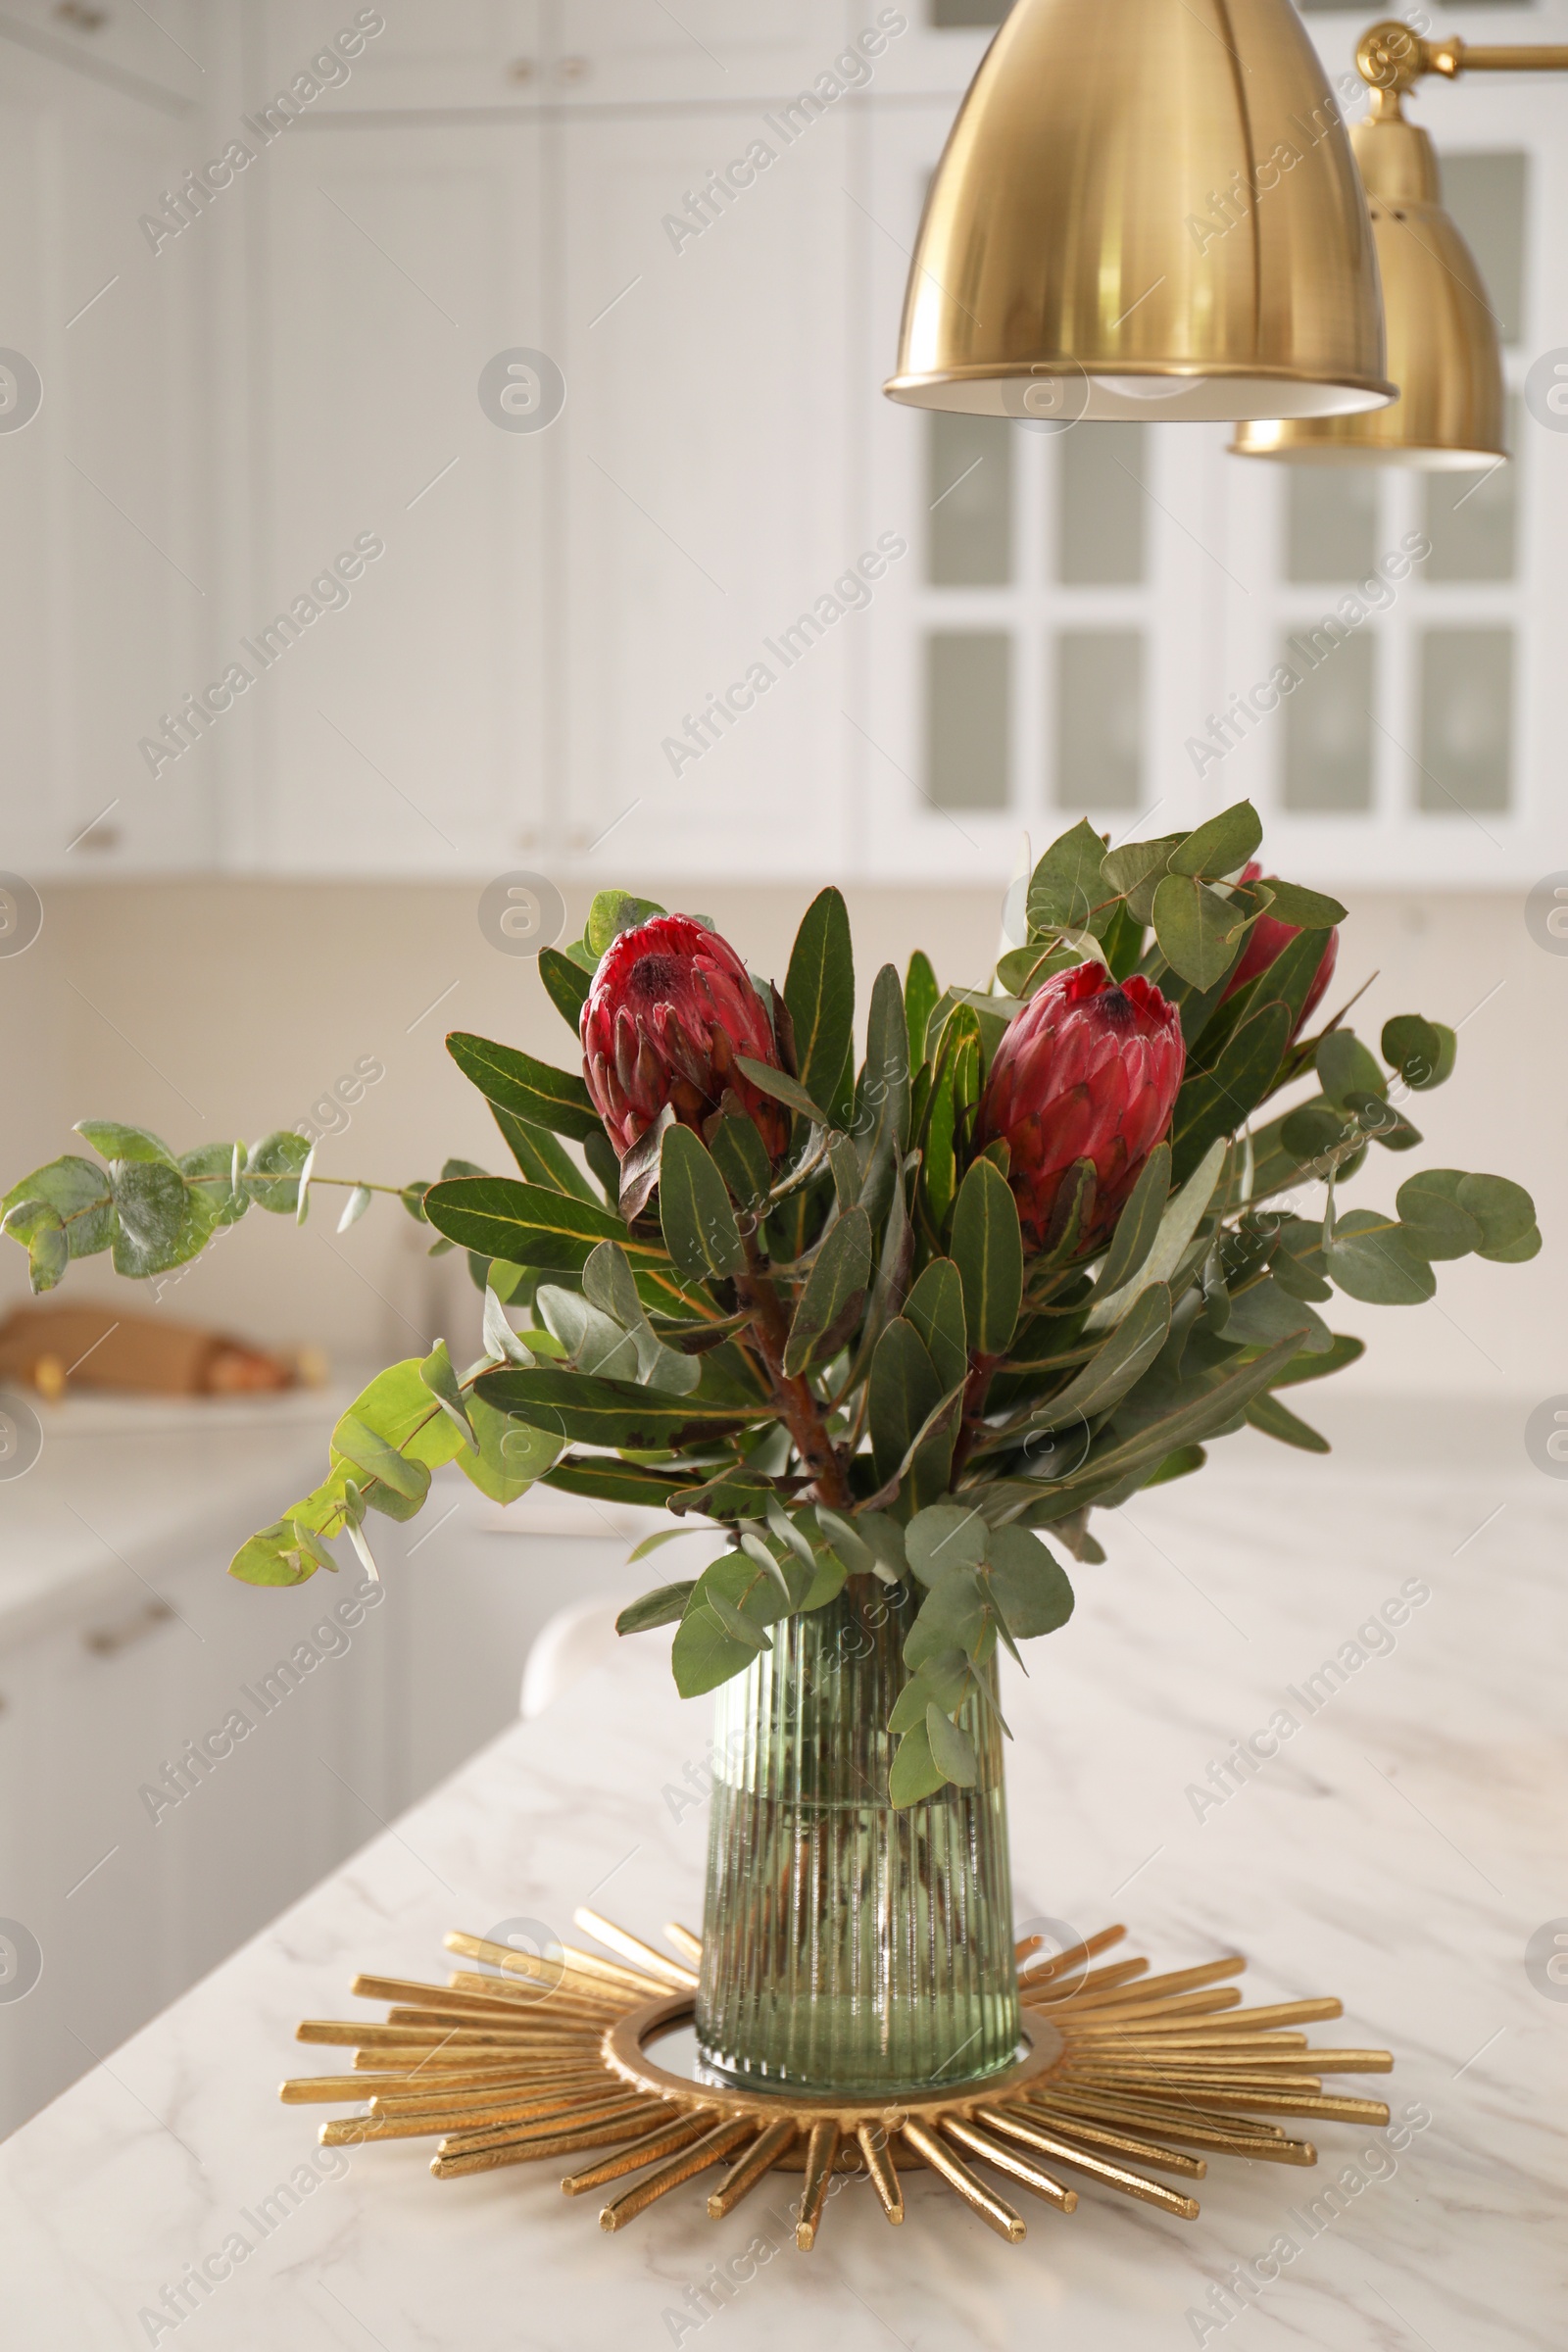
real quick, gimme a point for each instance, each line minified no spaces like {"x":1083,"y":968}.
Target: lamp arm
{"x":1391,"y":59}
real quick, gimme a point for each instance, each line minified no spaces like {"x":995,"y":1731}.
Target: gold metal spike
{"x":881,"y":2169}
{"x":696,"y":2159}
{"x":1120,"y":2072}
{"x":996,"y":2152}
{"x":1100,"y":2168}
{"x":821,"y":2149}
{"x":759,"y":2158}
{"x":995,"y":2211}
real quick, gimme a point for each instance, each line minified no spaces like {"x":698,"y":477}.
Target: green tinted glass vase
{"x":846,"y":1945}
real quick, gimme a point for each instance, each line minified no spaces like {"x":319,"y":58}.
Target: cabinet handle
{"x":574,"y":69}
{"x":521,"y":68}
{"x":84,"y":18}
{"x":108,"y":1640}
{"x":98,"y":837}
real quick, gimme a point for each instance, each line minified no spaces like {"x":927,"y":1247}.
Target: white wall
{"x":214,"y":1009}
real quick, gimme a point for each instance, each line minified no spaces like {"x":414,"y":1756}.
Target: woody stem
{"x":793,"y":1400}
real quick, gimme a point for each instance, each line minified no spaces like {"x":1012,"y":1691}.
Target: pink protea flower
{"x":671,"y":1009}
{"x":1267,"y":942}
{"x":1090,"y":1069}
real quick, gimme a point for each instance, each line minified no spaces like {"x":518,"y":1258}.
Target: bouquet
{"x":905,"y":1320}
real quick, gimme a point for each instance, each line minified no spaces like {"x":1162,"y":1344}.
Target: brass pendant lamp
{"x":1443,"y":349}
{"x":1146,"y":208}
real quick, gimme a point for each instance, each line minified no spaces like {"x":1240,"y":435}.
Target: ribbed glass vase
{"x":846,"y":1945}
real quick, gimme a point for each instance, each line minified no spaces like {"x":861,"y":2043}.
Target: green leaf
{"x":1119,"y":1364}
{"x":1370,"y":1258}
{"x":1066,"y":891}
{"x":1200,"y":932}
{"x":665,"y":1606}
{"x":935,"y":1307}
{"x":586,"y":1410}
{"x":819,"y":994}
{"x":953,"y":1615}
{"x":1138,"y":1226}
{"x":1264,"y":1313}
{"x":707,"y":1651}
{"x":544,"y":1096}
{"x":1267,"y":1413}
{"x":694,"y":1211}
{"x":920,"y":995}
{"x":1412,"y":1047}
{"x":1184,"y":1213}
{"x":887,"y":1061}
{"x":1135,"y":872}
{"x":1430,"y":1217}
{"x":738,"y":1627}
{"x":1448,"y":1055}
{"x":946,"y":1679}
{"x":567,"y":984}
{"x":835,"y":1287}
{"x":782,"y":1087}
{"x":1306,"y":910}
{"x":436,"y":1375}
{"x":507,"y":1456}
{"x":1214,"y":1103}
{"x":370,"y":1452}
{"x":1517,"y":1253}
{"x":539,"y":1158}
{"x":846,"y":1538}
{"x":271,"y":1171}
{"x":213,"y":1167}
{"x":529,"y":1224}
{"x":163,"y":1223}
{"x":48,"y":1254}
{"x":741,"y":1159}
{"x":1504,"y":1211}
{"x":612,"y":913}
{"x":952,"y":1751}
{"x":1221,"y":846}
{"x":1336,"y":1358}
{"x":987,"y":1252}
{"x":916,"y":1774}
{"x":1028,"y":1583}
{"x":905,"y":1392}
{"x":602,"y":1479}
{"x":1346,"y":1067}
{"x":946,"y":1536}
{"x":118,"y":1141}
{"x":78,"y":1190}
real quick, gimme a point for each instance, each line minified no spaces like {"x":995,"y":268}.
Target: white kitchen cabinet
{"x":402,"y":729}
{"x":155,"y":60}
{"x":429,"y":54}
{"x":616,"y":50}
{"x":707,"y":495}
{"x":102,"y":605}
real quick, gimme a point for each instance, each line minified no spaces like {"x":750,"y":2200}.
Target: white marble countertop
{"x":1400,"y":1850}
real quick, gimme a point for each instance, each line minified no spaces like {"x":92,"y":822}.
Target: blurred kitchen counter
{"x":136,"y":1864}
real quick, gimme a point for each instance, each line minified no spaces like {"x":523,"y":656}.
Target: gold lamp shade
{"x":1146,"y":208}
{"x":1443,"y":335}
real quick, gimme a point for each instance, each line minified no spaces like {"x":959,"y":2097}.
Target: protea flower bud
{"x":1267,"y":942}
{"x":1090,"y":1069}
{"x":670,"y":1007}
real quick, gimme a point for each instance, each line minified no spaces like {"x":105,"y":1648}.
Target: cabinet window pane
{"x":1103,"y":506}
{"x":1466,"y":721}
{"x":1328,"y":726}
{"x":1471,"y":519}
{"x":970,"y":497}
{"x":968,"y":720}
{"x":1331,"y":530}
{"x":1487,"y":195}
{"x":969,"y":12}
{"x":1099,"y":719}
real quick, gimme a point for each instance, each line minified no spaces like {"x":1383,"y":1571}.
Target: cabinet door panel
{"x":104,"y":604}
{"x":400,"y":730}
{"x":121,"y":49}
{"x":704,"y":435}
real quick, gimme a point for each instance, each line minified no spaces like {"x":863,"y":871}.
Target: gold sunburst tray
{"x":1119,"y":2074}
